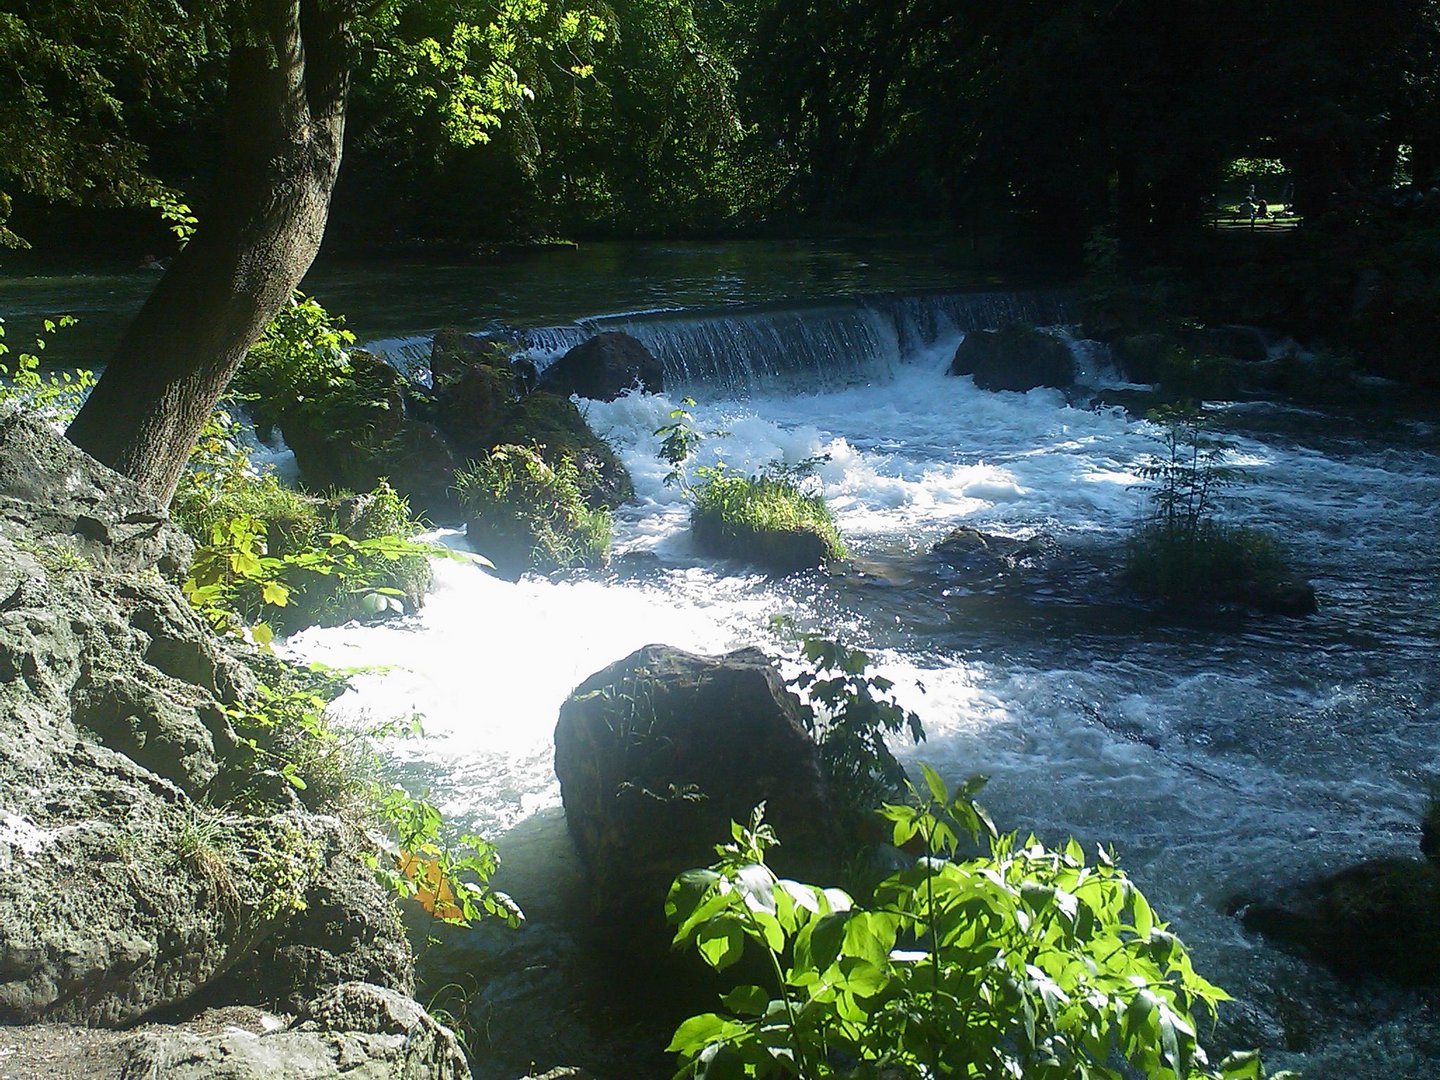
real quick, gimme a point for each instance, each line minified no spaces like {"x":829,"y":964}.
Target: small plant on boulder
{"x":1181,"y":552}
{"x":766,"y":519}
{"x":527,"y":515}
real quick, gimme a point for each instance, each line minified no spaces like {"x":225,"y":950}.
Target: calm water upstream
{"x":1218,"y":756}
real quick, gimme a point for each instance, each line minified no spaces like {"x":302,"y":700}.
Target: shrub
{"x":282,"y":560}
{"x":1180,"y":552}
{"x":54,"y":396}
{"x":300,"y":356}
{"x":765,"y":519}
{"x":293,"y":745}
{"x":1024,"y":962}
{"x":849,"y":713}
{"x":527,"y":515}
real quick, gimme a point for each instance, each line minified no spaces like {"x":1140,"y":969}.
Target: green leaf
{"x":720,"y":942}
{"x":746,"y":1001}
{"x":699,"y":1032}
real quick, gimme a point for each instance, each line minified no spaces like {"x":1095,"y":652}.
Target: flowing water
{"x":1219,"y":756}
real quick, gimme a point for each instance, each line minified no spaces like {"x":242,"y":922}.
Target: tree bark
{"x":285,"y":112}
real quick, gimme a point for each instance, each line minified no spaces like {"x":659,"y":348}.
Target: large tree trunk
{"x":285,"y":113}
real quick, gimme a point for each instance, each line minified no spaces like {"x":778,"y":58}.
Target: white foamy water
{"x":1217,"y":758}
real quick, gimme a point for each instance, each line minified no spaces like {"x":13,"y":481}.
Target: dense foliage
{"x":526,"y":514}
{"x":766,"y":518}
{"x":1182,"y":551}
{"x":270,"y":558}
{"x":1023,"y":962}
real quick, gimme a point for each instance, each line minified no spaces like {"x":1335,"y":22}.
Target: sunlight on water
{"x":1217,"y":759}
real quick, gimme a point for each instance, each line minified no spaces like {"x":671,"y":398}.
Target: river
{"x":1218,"y":756}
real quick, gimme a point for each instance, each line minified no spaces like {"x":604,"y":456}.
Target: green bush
{"x":301,"y":356}
{"x":849,"y":712}
{"x":525,"y":514}
{"x":765,"y":519}
{"x":1209,"y":563}
{"x":55,"y":396}
{"x":276,"y":559}
{"x":1025,"y":962}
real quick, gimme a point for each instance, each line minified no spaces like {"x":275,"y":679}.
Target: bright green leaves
{"x":851,"y":713}
{"x":448,"y":876}
{"x":54,"y":396}
{"x":432,"y":60}
{"x":1026,"y":962}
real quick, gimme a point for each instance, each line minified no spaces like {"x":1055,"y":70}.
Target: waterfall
{"x":748,"y":348}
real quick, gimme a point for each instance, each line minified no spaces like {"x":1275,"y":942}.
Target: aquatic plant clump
{"x":1211,"y":562}
{"x":524,"y":514}
{"x":763,"y":519}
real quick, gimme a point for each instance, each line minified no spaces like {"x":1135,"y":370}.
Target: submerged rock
{"x":1379,"y":918}
{"x":1013,"y":358}
{"x":603,"y":368}
{"x":969,"y":549}
{"x":660,"y":751}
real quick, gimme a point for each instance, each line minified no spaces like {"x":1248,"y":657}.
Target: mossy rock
{"x":524,"y":514}
{"x":764,"y":521}
{"x":556,"y":424}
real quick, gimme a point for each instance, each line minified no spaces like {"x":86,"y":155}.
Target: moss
{"x":765,"y":520}
{"x":523,"y":513}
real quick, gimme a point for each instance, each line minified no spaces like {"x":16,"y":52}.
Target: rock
{"x":968,"y":549}
{"x":556,"y":424}
{"x":777,"y":551}
{"x":1141,"y":357}
{"x":1137,"y":403}
{"x":50,"y":488}
{"x":660,"y":751}
{"x":452,"y":352}
{"x":1379,"y":918}
{"x":1290,"y":596}
{"x":336,"y":438}
{"x":350,"y":932}
{"x":603,"y":368}
{"x":1013,"y":358}
{"x":473,"y":408}
{"x":1243,"y":343}
{"x":122,"y":889}
{"x":356,"y":1031}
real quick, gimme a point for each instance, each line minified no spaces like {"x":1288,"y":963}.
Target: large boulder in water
{"x":1013,"y":358}
{"x":603,"y":368}
{"x":1379,"y":918}
{"x":660,"y":751}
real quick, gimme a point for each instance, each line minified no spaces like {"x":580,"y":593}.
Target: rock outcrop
{"x":1379,"y":918}
{"x":356,"y":1031}
{"x":603,"y":368}
{"x":968,"y":549}
{"x":1013,"y":358}
{"x":660,"y":751}
{"x":125,"y":887}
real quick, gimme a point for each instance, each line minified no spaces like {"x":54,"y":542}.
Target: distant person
{"x":1248,"y":209}
{"x":150,"y":262}
{"x":1262,"y":211}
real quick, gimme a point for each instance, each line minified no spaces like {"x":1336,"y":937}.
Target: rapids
{"x":1218,"y":756}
